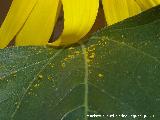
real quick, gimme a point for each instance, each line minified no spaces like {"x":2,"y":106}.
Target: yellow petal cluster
{"x":15,"y":19}
{"x":117,"y":10}
{"x":31,"y":22}
{"x":79,"y":17}
{"x":146,"y":4}
{"x":38,"y":28}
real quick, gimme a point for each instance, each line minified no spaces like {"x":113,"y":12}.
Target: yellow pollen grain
{"x":14,"y":75}
{"x":72,"y":55}
{"x":50,"y":78}
{"x":92,"y":56}
{"x":77,"y":52}
{"x":100,"y":75}
{"x":40,"y":76}
{"x":36,"y":85}
{"x":51,"y":65}
{"x":63,"y":65}
{"x":90,"y":53}
{"x":71,"y":48}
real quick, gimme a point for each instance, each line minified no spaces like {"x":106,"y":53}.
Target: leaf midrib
{"x":85,"y":81}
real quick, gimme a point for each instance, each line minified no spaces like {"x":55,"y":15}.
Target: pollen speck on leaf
{"x":63,"y":65}
{"x":100,"y":75}
{"x":36,"y":85}
{"x":40,"y":76}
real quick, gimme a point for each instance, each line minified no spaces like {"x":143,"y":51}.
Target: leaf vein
{"x":31,"y":83}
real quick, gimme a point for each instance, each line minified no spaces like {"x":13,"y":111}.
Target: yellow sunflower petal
{"x":146,"y":4}
{"x":16,"y":17}
{"x":118,"y":10}
{"x":39,"y":26}
{"x":79,"y":16}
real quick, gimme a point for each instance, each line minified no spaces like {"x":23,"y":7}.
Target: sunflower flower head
{"x":31,"y":22}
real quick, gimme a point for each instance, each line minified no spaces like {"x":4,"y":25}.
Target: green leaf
{"x":116,"y":72}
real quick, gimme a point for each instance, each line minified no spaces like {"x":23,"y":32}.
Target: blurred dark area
{"x":99,"y":23}
{"x":4,"y":7}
